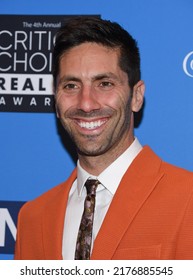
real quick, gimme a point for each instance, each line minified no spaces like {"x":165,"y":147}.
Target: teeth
{"x":91,"y":125}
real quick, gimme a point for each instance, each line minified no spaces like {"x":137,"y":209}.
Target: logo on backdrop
{"x":26,"y":44}
{"x":8,"y":220}
{"x":188,"y":64}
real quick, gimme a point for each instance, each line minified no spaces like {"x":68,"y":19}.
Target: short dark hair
{"x":84,"y":29}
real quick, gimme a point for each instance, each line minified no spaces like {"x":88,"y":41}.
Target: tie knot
{"x":91,"y":185}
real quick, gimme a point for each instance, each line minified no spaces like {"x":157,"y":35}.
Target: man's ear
{"x":138,"y":96}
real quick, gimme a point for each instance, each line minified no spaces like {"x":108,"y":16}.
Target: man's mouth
{"x":92,"y":124}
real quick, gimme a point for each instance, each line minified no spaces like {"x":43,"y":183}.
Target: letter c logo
{"x":188,"y":64}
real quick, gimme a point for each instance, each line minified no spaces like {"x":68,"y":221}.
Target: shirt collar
{"x":82,"y":176}
{"x":123,"y":161}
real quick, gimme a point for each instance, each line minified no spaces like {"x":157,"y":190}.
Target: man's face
{"x":93,"y":100}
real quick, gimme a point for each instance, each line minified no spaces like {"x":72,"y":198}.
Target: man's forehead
{"x":89,"y":47}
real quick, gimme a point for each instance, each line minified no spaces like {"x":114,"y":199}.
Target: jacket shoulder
{"x":172,"y":174}
{"x":37,"y":205}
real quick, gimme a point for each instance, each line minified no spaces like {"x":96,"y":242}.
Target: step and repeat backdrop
{"x":35,"y":152}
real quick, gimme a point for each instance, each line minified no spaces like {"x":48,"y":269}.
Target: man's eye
{"x":106,"y":84}
{"x":70,"y":86}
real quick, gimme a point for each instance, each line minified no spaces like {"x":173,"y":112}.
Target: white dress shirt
{"x":104,"y":194}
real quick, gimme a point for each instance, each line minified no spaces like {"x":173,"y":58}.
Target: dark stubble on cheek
{"x":92,"y":147}
{"x":78,"y":138}
{"x":111,"y":141}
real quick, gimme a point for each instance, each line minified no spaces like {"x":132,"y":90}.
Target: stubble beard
{"x":88,"y":145}
{"x":97,"y":145}
{"x":92,"y":145}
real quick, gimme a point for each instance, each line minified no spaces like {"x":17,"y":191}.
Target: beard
{"x":86,"y":144}
{"x":97,"y":144}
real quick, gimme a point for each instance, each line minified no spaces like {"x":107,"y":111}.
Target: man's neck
{"x":95,"y":165}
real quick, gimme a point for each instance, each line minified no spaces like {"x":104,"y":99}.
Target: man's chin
{"x":92,"y":152}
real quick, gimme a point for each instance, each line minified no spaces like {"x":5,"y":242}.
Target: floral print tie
{"x":84,"y":239}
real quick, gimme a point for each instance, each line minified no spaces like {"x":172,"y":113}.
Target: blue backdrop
{"x":33,"y":158}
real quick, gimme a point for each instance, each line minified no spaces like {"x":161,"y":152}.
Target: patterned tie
{"x":84,"y":239}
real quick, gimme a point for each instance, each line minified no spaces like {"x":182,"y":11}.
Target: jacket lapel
{"x":53,"y":220}
{"x":135,"y":187}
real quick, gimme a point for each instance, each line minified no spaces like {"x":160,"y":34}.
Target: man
{"x":142,"y":206}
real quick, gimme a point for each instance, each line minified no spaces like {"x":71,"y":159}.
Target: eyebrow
{"x":108,"y":75}
{"x":67,"y":79}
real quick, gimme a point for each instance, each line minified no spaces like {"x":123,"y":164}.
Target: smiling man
{"x":95,"y":102}
{"x":122,"y":201}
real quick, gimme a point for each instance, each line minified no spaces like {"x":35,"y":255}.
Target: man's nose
{"x":88,"y":100}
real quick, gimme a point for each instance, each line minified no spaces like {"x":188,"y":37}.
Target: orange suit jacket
{"x":150,"y":217}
